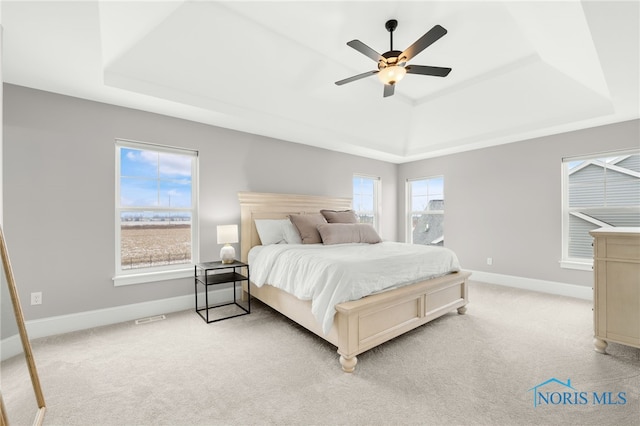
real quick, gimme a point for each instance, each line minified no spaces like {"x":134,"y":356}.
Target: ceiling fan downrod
{"x":391,"y":25}
{"x":392,"y":57}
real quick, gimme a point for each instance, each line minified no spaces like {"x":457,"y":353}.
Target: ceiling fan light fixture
{"x":392,"y":65}
{"x":391,"y":74}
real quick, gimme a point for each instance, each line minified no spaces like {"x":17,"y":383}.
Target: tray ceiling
{"x":520,"y":69}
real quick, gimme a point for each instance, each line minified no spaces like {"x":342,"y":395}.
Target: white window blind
{"x":599,"y":191}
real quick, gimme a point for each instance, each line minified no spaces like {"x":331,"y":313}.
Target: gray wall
{"x":505,"y":202}
{"x":59,"y":174}
{"x":59,"y":160}
{"x":8,"y":324}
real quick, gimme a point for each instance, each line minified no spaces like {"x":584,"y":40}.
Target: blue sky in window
{"x":363,"y":194}
{"x":425,"y":190}
{"x":154,"y":179}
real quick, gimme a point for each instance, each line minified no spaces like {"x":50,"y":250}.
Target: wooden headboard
{"x":258,"y":205}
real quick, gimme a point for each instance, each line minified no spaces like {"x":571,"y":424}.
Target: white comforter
{"x":332,"y":274}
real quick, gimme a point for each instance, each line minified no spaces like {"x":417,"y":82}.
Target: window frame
{"x":579,"y":263}
{"x":408,"y":205}
{"x":165,"y":272}
{"x":376,"y":198}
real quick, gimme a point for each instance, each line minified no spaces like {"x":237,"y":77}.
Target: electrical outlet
{"x":489,"y":261}
{"x":36,"y":298}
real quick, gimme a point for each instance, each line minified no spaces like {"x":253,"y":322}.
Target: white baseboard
{"x":9,"y":347}
{"x":12,"y":346}
{"x":51,"y":326}
{"x":543,"y":286}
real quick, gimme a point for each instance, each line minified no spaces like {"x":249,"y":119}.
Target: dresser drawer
{"x":623,"y":248}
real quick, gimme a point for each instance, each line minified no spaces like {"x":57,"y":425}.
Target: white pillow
{"x":291,"y":234}
{"x":270,"y":231}
{"x":277,"y":231}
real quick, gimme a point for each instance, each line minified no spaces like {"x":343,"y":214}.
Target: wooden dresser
{"x":616,"y":291}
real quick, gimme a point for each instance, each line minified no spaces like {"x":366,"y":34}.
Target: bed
{"x":358,"y":325}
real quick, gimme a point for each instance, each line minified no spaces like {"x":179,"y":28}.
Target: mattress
{"x":331,"y":274}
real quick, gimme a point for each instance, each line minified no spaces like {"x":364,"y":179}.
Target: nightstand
{"x":210,"y":274}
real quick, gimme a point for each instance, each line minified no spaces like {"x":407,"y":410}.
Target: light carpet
{"x":262,"y":368}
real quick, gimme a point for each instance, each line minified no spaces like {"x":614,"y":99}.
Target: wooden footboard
{"x":373,"y":320}
{"x":368,"y":322}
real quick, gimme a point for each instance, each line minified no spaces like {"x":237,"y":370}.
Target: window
{"x":425,"y":207}
{"x":366,"y":195}
{"x":156,"y":214}
{"x":598,"y":191}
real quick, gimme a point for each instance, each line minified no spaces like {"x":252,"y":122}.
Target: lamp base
{"x":227,"y":254}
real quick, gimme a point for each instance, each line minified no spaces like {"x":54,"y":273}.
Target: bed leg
{"x":348,"y":364}
{"x":462,"y":310}
{"x":600,"y":345}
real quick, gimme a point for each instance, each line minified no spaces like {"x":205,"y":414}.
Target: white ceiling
{"x":520,"y":69}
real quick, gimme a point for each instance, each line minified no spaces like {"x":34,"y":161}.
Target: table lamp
{"x":227,"y":235}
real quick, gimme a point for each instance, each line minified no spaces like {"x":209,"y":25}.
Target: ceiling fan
{"x":392,"y":64}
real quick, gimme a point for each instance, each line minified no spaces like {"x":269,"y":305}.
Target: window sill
{"x":148,"y":277}
{"x":581,"y":265}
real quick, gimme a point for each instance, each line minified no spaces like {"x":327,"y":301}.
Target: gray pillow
{"x":341,"y":233}
{"x":340,"y":216}
{"x":307,"y":225}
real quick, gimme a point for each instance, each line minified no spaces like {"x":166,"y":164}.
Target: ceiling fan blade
{"x":426,"y":70}
{"x":365,"y":50}
{"x":423,"y":42}
{"x":356,"y":77}
{"x":388,"y":90}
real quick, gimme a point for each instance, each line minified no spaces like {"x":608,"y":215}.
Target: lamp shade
{"x":391,"y":74}
{"x":227,"y":234}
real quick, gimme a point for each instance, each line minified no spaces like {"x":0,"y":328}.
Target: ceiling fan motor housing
{"x":391,"y":58}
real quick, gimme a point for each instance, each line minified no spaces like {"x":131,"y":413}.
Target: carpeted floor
{"x":263,"y":369}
